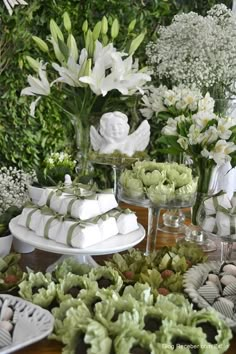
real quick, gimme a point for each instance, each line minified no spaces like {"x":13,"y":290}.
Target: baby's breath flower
{"x":13,"y":187}
{"x":197,"y":50}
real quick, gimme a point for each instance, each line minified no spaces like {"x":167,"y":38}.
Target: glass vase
{"x":206,"y":172}
{"x":225,"y":106}
{"x":173,"y":220}
{"x":84,"y":167}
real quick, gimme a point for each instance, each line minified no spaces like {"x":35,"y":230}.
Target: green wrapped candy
{"x":38,"y":289}
{"x":106,"y":278}
{"x":217,"y":332}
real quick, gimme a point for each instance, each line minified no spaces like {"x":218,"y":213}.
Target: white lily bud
{"x":66,"y":21}
{"x":115,"y":28}
{"x":40,"y":43}
{"x":71,"y":43}
{"x":55,"y":31}
{"x":132,"y":25}
{"x":104,"y":27}
{"x":97,"y":30}
{"x":136,"y":43}
{"x":85,"y":26}
{"x":34,"y":64}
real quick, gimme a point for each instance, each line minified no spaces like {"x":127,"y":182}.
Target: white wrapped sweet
{"x":55,"y":201}
{"x":226,"y":224}
{"x":233,"y":200}
{"x":26,"y":218}
{"x":66,"y":205}
{"x":211,"y":204}
{"x":85,"y":209}
{"x":127,"y":222}
{"x":106,"y":201}
{"x":79,"y":236}
{"x":46,"y":222}
{"x":46,"y":196}
{"x":54,"y":229}
{"x":209,"y":224}
{"x":108,"y":227}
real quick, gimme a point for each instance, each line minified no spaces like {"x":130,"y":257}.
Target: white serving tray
{"x":192,"y":281}
{"x":33,"y":323}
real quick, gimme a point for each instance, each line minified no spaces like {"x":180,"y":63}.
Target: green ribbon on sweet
{"x":231,"y":213}
{"x":49,"y":197}
{"x":30,"y":205}
{"x":81,"y":224}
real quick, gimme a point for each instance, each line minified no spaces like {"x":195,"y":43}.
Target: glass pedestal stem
{"x":226,"y":248}
{"x":116,"y":174}
{"x":153,"y":220}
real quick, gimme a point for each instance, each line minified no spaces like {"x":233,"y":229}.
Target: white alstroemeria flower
{"x":221,"y":152}
{"x":170,"y":128}
{"x":208,"y":137}
{"x":206,"y":103}
{"x":193,"y":135}
{"x":224,"y":125}
{"x":70,"y":74}
{"x":202,"y":118}
{"x":10,"y":4}
{"x":147,"y":112}
{"x":170,"y":98}
{"x":183,"y":142}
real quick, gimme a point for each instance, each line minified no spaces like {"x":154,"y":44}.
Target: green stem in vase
{"x":203,"y":169}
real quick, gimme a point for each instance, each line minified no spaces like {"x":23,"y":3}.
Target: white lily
{"x":70,"y":74}
{"x":38,"y":86}
{"x":104,"y":53}
{"x":126,"y":73}
{"x":10,"y":4}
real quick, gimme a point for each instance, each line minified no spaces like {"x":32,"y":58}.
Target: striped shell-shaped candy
{"x":224,"y":306}
{"x":5,"y":338}
{"x":230,"y":289}
{"x":209,"y":291}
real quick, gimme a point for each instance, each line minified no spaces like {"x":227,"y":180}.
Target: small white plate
{"x":193,"y":280}
{"x":32,"y":323}
{"x":114,"y":244}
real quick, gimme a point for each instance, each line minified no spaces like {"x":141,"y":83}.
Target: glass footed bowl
{"x":208,"y":226}
{"x":158,"y":200}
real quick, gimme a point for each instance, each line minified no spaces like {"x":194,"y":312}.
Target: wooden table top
{"x":40,"y":260}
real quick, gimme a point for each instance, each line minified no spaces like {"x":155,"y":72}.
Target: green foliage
{"x":6,"y":217}
{"x":25,"y":141}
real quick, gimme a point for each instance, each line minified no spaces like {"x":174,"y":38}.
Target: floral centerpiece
{"x":55,"y":167}
{"x":161,"y":103}
{"x":209,"y":139}
{"x":85,"y":78}
{"x":198,"y":50}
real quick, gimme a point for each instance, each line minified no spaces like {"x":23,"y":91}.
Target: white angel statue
{"x":114,"y":135}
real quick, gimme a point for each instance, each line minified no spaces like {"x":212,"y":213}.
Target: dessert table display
{"x":39,"y":261}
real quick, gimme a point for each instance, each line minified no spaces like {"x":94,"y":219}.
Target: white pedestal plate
{"x":114,"y":244}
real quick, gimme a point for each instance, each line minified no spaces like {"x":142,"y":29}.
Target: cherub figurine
{"x":114,"y":135}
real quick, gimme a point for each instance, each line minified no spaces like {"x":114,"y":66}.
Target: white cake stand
{"x":114,"y":244}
